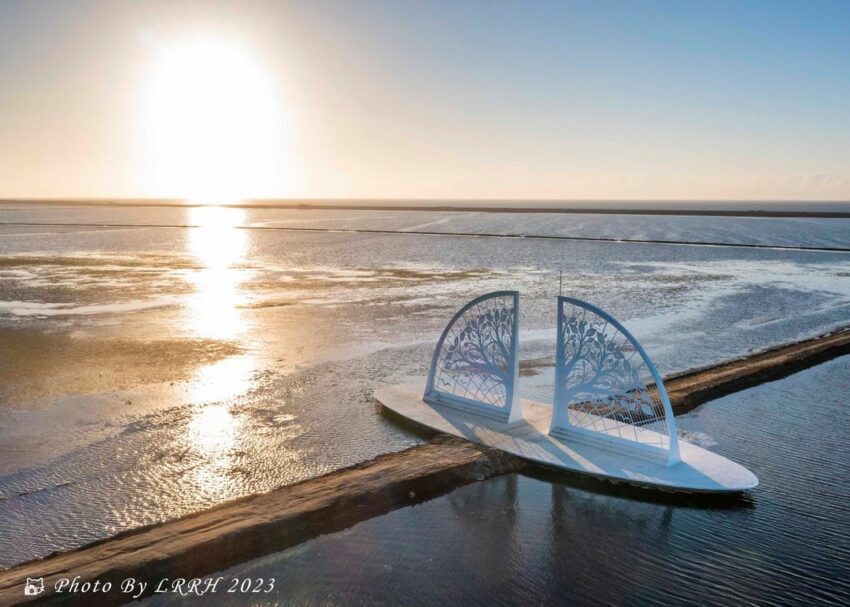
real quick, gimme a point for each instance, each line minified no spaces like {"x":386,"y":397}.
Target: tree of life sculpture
{"x":606,"y":387}
{"x":475,"y":367}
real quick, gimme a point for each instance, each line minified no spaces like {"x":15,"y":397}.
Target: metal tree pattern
{"x":604,"y":381}
{"x":475,"y":364}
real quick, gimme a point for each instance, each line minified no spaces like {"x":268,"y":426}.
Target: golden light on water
{"x":220,"y":248}
{"x":214,"y":431}
{"x":223,"y":380}
{"x":212,"y":435}
{"x":214,"y":121}
{"x":213,"y":311}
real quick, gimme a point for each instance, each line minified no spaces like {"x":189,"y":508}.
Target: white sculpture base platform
{"x":699,"y":471}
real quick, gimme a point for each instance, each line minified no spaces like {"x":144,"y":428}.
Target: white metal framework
{"x":606,"y":387}
{"x":475,"y":365}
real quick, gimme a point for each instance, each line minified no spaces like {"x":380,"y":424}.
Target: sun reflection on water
{"x":213,"y":311}
{"x":219,"y":246}
{"x":212,"y":435}
{"x":214,"y":432}
{"x":223,"y":380}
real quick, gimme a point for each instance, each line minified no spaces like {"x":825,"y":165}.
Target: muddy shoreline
{"x":36,"y":365}
{"x":251,"y":527}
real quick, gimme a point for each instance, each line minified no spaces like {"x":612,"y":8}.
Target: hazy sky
{"x":656,"y":100}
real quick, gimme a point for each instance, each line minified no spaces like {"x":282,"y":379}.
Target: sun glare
{"x":215,"y":122}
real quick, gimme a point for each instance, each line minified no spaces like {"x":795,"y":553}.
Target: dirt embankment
{"x":693,"y":388}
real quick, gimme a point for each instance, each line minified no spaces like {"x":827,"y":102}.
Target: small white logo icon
{"x":35,"y":585}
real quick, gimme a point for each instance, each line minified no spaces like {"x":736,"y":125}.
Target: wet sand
{"x":39,"y":365}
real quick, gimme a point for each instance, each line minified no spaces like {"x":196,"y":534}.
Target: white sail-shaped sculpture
{"x":611,"y":416}
{"x":606,"y":387}
{"x":475,"y":366}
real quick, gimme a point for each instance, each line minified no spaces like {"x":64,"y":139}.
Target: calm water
{"x":517,"y":540}
{"x":164,"y":370}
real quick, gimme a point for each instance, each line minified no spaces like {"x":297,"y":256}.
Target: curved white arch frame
{"x":475,"y":366}
{"x":607,"y":388}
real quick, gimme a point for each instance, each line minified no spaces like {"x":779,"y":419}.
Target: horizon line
{"x":439,"y":205}
{"x":309,"y":199}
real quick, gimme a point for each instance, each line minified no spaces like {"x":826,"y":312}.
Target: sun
{"x":214,"y":118}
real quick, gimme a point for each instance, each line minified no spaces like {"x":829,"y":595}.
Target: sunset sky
{"x":463,"y":99}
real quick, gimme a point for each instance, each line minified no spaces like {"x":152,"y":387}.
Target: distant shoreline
{"x":721,"y":208}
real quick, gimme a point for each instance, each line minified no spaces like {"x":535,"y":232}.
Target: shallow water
{"x":517,"y":540}
{"x":812,"y":232}
{"x":197,"y":365}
